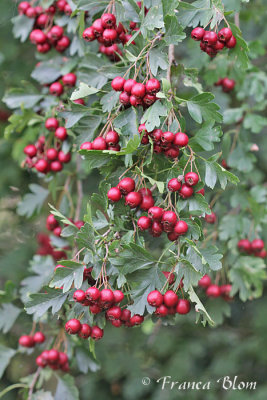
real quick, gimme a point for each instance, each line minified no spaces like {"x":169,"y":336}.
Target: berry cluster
{"x":164,"y":142}
{"x":226,"y":83}
{"x":53,"y":359}
{"x":110,"y":141}
{"x":168,"y":304}
{"x":213,"y":290}
{"x":30,"y":341}
{"x":45,"y":35}
{"x":134,"y":93}
{"x":66,"y":81}
{"x":74,"y":327}
{"x":211,"y":42}
{"x":53,"y":225}
{"x":211,"y":218}
{"x":45,"y":248}
{"x":106,"y":31}
{"x":48,"y":159}
{"x":184,"y":190}
{"x":256,"y":247}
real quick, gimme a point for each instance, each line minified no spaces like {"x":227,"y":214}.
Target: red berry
{"x":197,"y":33}
{"x":67,"y":10}
{"x":63,"y":358}
{"x":144,"y":223}
{"x":51,"y":154}
{"x":99,"y":144}
{"x":210,"y":38}
{"x":135,"y":101}
{"x":170,"y":276}
{"x":168,"y":220}
{"x":138,"y":90}
{"x":155,"y":213}
{"x":257,"y":245}
{"x":228,"y":84}
{"x":56,"y":32}
{"x":79,"y":296}
{"x":56,"y":89}
{"x":149,"y":99}
{"x":210,"y":218}
{"x":64,"y":158}
{"x":261,"y":253}
{"x":124,"y":99}
{"x":96,"y":333}
{"x":170,"y":298}
{"x":145,"y":192}
{"x":205,"y":281}
{"x":128,"y":85}
{"x":125,"y":315}
{"x":181,"y":227}
{"x":156,"y":229}
{"x":213,"y":291}
{"x":51,"y":222}
{"x":61,"y":133}
{"x":30,"y":12}
{"x":225,"y":34}
{"x":180,"y":139}
{"x":183,"y":306}
{"x":79,"y":224}
{"x":39,"y":337}
{"x":167,"y":137}
{"x":231,"y":42}
{"x":40,"y":362}
{"x":30,"y":150}
{"x":37,"y":36}
{"x":108,"y":20}
{"x":23,"y":7}
{"x":156,"y":135}
{"x":218,"y":46}
{"x":63,"y":44}
{"x":113,"y":313}
{"x":152,"y":86}
{"x":174,"y":185}
{"x":86,"y":146}
{"x":92,"y":293}
{"x":225,"y":290}
{"x":112,"y":138}
{"x":69,"y":79}
{"x":118,"y":83}
{"x":244,"y":245}
{"x":147,"y":202}
{"x":61,"y":5}
{"x":136,"y":320}
{"x":201,"y":191}
{"x":162,"y":311}
{"x":172,"y":153}
{"x":191,"y":178}
{"x":53,"y":356}
{"x":95,"y":309}
{"x":88,"y":34}
{"x":114,"y":194}
{"x":109,"y":36}
{"x":26,"y":341}
{"x":118,"y":296}
{"x":57,"y":231}
{"x":41,"y":166}
{"x":126,"y":185}
{"x":117,"y":323}
{"x":133,"y":199}
{"x":73,"y":326}
{"x":106,"y":296}
{"x":51,"y":124}
{"x":85,"y":331}
{"x":116,"y":147}
{"x":155,"y":298}
{"x":172,"y":236}
{"x":186,"y":191}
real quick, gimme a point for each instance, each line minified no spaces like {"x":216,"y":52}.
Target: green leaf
{"x":241,"y":158}
{"x":85,"y":361}
{"x":47,"y":72}
{"x":109,"y":101}
{"x":157,"y":59}
{"x":132,"y":258}
{"x":65,"y":277}
{"x":86,"y":237}
{"x":5,"y":356}
{"x":22,"y":27}
{"x":232,"y":115}
{"x":160,"y":185}
{"x":96,"y":158}
{"x":42,"y":395}
{"x":17,"y":98}
{"x":8,"y":316}
{"x":151,"y":118}
{"x":32,"y":202}
{"x":61,"y":217}
{"x":40,"y":303}
{"x":153,"y":19}
{"x":201,"y":107}
{"x":200,"y":257}
{"x":200,"y":309}
{"x":174,"y":31}
{"x":255,"y":122}
{"x":218,"y":310}
{"x":66,"y":388}
{"x":82,"y":91}
{"x":206,"y":136}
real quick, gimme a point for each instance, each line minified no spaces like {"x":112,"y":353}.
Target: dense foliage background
{"x":186,"y":351}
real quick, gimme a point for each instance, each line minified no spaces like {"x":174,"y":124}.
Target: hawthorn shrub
{"x":176,"y":225}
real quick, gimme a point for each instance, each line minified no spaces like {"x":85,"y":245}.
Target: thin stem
{"x":33,"y":383}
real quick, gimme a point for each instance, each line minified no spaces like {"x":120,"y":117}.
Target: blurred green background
{"x":186,"y":352}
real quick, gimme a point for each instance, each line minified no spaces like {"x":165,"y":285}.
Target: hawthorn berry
{"x":147,"y":202}
{"x":30,"y":150}
{"x":172,"y":236}
{"x":41,"y":165}
{"x":156,"y":135}
{"x":118,"y":296}
{"x":225,"y":291}
{"x":61,"y":133}
{"x":181,"y":227}
{"x":210,"y":218}
{"x":125,"y":315}
{"x":114,"y":194}
{"x":118,"y":83}
{"x":108,"y":20}
{"x":183,"y":306}
{"x":262,"y":253}
{"x":26,"y":341}
{"x":88,"y":34}
{"x":96,"y":333}
{"x":197,"y":33}
{"x":186,"y":191}
{"x":231,"y":43}
{"x":73,"y":326}
{"x":257,"y":245}
{"x":210,"y":38}
{"x":62,"y":44}
{"x":174,"y":185}
{"x":135,"y":101}
{"x":37,"y":36}
{"x":155,"y":213}
{"x":152,"y":86}
{"x":170,"y":276}
{"x":170,"y":298}
{"x":69,"y":79}
{"x":201,"y":191}
{"x":51,"y":124}
{"x":225,"y":34}
{"x":39,"y":337}
{"x":86,"y":146}
{"x":85,"y":331}
{"x":112,"y":138}
{"x":180,"y":139}
{"x":128,"y":85}
{"x":99,"y":143}
{"x":79,"y":296}
{"x":117,"y":323}
{"x":109,"y":36}
{"x":53,"y":356}
{"x":126,"y":185}
{"x":168,"y":220}
{"x":228,"y":84}
{"x":92,"y":294}
{"x":133,"y":199}
{"x":64,"y":157}
{"x":136,"y":319}
{"x":145,"y":192}
{"x":138,"y":90}
{"x":63,"y":358}
{"x":213,"y":291}
{"x":106,"y":296}
{"x":23,"y":7}
{"x":56,"y":89}
{"x":144,"y":223}
{"x":113,"y":313}
{"x":125,"y":98}
{"x":51,"y":154}
{"x":95,"y":309}
{"x":191,"y":178}
{"x":244,"y":245}
{"x":162,"y":311}
{"x":156,"y":229}
{"x":205,"y":281}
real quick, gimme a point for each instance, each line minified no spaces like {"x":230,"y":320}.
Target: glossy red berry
{"x":170,"y":298}
{"x":155,"y":298}
{"x":86,"y":146}
{"x":40,"y":362}
{"x":197,"y":33}
{"x":136,"y":320}
{"x":69,"y":79}
{"x":180,"y":139}
{"x":135,"y":101}
{"x":39,"y":337}
{"x":167,"y":137}
{"x":61,"y":5}
{"x":92,"y":294}
{"x":126,"y":185}
{"x":205,"y":281}
{"x":225,"y":290}
{"x":244,"y":245}
{"x":133,"y":199}
{"x":210,"y":38}
{"x":85,"y":331}
{"x":149,"y":99}
{"x":118,"y":296}
{"x":109,"y":36}
{"x":53,"y":356}
{"x":96,"y":333}
{"x":172,"y":236}
{"x":51,"y":222}
{"x":99,"y":143}
{"x":57,"y":231}
{"x":257,"y":245}
{"x":30,"y":150}
{"x":73,"y":326}
{"x":186,"y":191}
{"x":174,"y":185}
{"x":41,"y":166}
{"x":62,"y":44}
{"x":26,"y":341}
{"x":88,"y":34}
{"x":152,"y":86}
{"x":118,"y":83}
{"x":37,"y":36}
{"x":162,"y":311}
{"x":183,"y":306}
{"x":145,"y":192}
{"x":225,"y":34}
{"x":64,"y":158}
{"x":170,"y":276}
{"x":112,"y":138}
{"x":95,"y":309}
{"x":156,"y":135}
{"x":201,"y":191}
{"x":56,"y":32}
{"x":144,"y":223}
{"x":61,"y":133}
{"x":56,"y":89}
{"x":231,"y":43}
{"x":181,"y":227}
{"x":155,"y":213}
{"x":125,"y":315}
{"x":128,"y":85}
{"x":51,"y":124}
{"x":114,"y":194}
{"x":51,"y":154}
{"x":108,"y":20}
{"x":106,"y":296}
{"x":191,"y":178}
{"x":168,"y":219}
{"x":30,"y":12}
{"x":138,"y":90}
{"x":147,"y":202}
{"x":113,"y":313}
{"x":63,"y":358}
{"x":23,"y":7}
{"x":117,"y":323}
{"x":213,"y":291}
{"x":228,"y":84}
{"x":156,"y":229}
{"x":262,"y":253}
{"x":79,"y":296}
{"x":218,"y":46}
{"x":210,"y":218}
{"x":125,"y":99}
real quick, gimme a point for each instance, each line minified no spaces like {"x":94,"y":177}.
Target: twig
{"x":35,"y":378}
